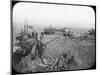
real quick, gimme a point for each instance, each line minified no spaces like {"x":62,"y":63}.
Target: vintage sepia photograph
{"x":52,"y":37}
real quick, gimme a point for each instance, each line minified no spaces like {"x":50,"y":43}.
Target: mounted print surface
{"x":52,"y":37}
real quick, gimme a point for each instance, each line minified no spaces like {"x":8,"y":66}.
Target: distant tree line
{"x":91,"y":31}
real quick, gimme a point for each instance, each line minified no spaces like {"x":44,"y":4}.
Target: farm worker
{"x":36,"y":35}
{"x":42,"y":35}
{"x":40,"y":47}
{"x":33,"y":34}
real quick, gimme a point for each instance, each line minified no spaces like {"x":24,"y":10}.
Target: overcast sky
{"x":41,"y":15}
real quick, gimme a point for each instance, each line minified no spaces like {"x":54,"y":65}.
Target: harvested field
{"x":82,"y":50}
{"x":79,"y":54}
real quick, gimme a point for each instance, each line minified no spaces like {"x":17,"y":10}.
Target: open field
{"x":82,"y":51}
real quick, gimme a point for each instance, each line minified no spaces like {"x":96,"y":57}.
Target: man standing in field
{"x":40,"y":47}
